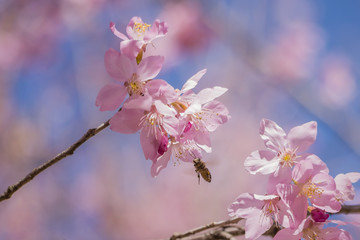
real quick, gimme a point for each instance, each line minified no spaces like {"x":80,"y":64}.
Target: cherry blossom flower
{"x":282,"y":150}
{"x":133,"y":76}
{"x":309,"y":229}
{"x":184,"y":149}
{"x":260,"y":211}
{"x":344,"y":189}
{"x":139,"y":35}
{"x":316,"y":185}
{"x":155,"y":122}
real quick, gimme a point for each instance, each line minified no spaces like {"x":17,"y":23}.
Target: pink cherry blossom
{"x":139,"y":34}
{"x":260,"y":211}
{"x":282,"y":150}
{"x":154,"y":122}
{"x":184,"y":149}
{"x":316,"y":185}
{"x":310,"y":230}
{"x":133,"y":76}
{"x":344,"y":189}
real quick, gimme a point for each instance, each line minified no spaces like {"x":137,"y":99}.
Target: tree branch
{"x":69,"y":151}
{"x":228,"y":229}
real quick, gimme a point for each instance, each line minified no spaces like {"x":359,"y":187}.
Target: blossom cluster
{"x":173,"y":124}
{"x":300,"y":191}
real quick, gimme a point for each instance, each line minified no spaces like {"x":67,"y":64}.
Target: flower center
{"x":134,"y":86}
{"x":287,"y":158}
{"x":270,"y":209}
{"x":311,"y":190}
{"x":141,"y":27}
{"x":311,"y":233}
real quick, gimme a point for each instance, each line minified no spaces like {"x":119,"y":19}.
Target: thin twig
{"x":223,"y":229}
{"x":69,"y":151}
{"x":203,"y":228}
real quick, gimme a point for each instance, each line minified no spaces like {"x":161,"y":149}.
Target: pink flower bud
{"x":319,"y":215}
{"x":163,"y":144}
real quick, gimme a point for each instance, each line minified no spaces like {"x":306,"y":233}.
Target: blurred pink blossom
{"x":337,"y":82}
{"x":290,"y":55}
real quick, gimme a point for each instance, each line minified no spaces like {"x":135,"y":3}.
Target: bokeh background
{"x":291,"y":61}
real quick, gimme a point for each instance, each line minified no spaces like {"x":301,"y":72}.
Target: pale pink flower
{"x":260,"y":211}
{"x":184,"y":149}
{"x":310,"y":230}
{"x":344,"y":189}
{"x":133,"y":76}
{"x":154,"y":122}
{"x":139,"y":34}
{"x":316,"y":185}
{"x":282,"y":150}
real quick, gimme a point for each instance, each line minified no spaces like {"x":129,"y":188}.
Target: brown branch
{"x":228,"y":229}
{"x":203,"y":228}
{"x":69,"y":151}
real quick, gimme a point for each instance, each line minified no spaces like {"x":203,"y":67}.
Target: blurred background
{"x":291,"y":61}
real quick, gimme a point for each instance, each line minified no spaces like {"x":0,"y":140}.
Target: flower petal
{"x":219,"y":114}
{"x":208,"y":94}
{"x":273,"y":135}
{"x":118,"y":65}
{"x":160,"y":163}
{"x":116,"y":32}
{"x":150,"y":144}
{"x":301,"y":137}
{"x":150,"y":67}
{"x":131,"y":48}
{"x":193,"y":81}
{"x":256,"y":225}
{"x":126,"y":121}
{"x":110,"y":97}
{"x":244,"y":206}
{"x":262,"y":161}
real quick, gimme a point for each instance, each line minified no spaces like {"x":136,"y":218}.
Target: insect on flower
{"x":201,"y":169}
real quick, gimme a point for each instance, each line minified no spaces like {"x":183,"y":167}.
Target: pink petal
{"x":116,"y":32}
{"x":208,"y":94}
{"x":273,"y":135}
{"x":262,"y":161}
{"x":158,"y":29}
{"x":110,"y":97}
{"x":131,"y":48}
{"x":335,"y":233}
{"x":286,"y":234}
{"x":119,"y":66}
{"x":281,"y":176}
{"x":245,"y":206}
{"x":317,"y":163}
{"x":345,"y":187}
{"x":353,"y":176}
{"x":150,"y":67}
{"x":160,"y":163}
{"x":150,"y":144}
{"x":256,"y":225}
{"x":301,"y":137}
{"x":139,"y":102}
{"x":202,"y":138}
{"x":160,"y":89}
{"x":193,"y":81}
{"x":126,"y":121}
{"x":219,"y":115}
{"x":302,"y":171}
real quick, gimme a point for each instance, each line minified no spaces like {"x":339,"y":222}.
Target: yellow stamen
{"x":311,"y":190}
{"x":141,"y":27}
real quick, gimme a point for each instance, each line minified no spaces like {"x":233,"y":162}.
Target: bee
{"x":201,"y":169}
